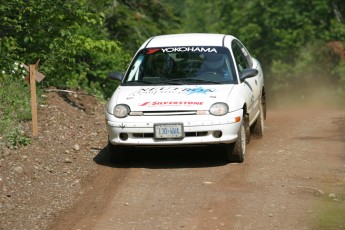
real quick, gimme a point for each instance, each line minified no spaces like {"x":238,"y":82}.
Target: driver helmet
{"x":214,"y":61}
{"x":163,"y":64}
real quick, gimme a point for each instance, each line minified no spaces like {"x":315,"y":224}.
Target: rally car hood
{"x":169,"y":98}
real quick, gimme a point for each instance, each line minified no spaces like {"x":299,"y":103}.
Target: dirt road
{"x":293,"y":178}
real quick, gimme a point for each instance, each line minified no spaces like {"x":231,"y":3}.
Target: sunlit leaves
{"x":65,"y":35}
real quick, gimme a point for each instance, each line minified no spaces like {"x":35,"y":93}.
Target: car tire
{"x":263,"y":102}
{"x":117,"y":153}
{"x":247,"y":127}
{"x":258,"y":128}
{"x":235,"y":152}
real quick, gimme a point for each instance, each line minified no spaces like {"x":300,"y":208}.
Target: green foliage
{"x":67,"y":36}
{"x":288,"y":37}
{"x":17,"y":138}
{"x":132,"y":21}
{"x":80,"y":42}
{"x":282,"y":72}
{"x":15,"y":95}
{"x":314,"y":69}
{"x":14,"y":107}
{"x":339,"y":71}
{"x":194,"y":20}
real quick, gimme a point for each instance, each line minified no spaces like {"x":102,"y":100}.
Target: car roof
{"x":190,"y":39}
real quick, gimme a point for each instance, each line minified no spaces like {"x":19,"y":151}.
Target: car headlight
{"x":121,"y":111}
{"x":219,"y":109}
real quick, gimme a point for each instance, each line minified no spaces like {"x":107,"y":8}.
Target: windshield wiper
{"x":197,"y":80}
{"x":173,"y":81}
{"x":181,"y":81}
{"x":139,"y":82}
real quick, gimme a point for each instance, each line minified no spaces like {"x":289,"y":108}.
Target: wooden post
{"x":33,"y":100}
{"x":31,"y":78}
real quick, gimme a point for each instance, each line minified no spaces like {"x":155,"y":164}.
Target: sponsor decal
{"x":162,"y":103}
{"x":189,"y":49}
{"x":172,"y":90}
{"x":199,"y":90}
{"x":151,"y":51}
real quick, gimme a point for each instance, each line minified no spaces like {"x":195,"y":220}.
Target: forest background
{"x":300,"y":45}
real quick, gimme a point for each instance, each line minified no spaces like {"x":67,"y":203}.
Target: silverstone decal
{"x":172,"y":90}
{"x":162,"y":103}
{"x":189,"y":49}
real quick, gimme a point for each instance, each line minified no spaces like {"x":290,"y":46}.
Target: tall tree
{"x":67,"y":36}
{"x":133,"y":21}
{"x":288,"y":37}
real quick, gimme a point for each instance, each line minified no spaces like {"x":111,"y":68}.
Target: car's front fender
{"x":237,"y":98}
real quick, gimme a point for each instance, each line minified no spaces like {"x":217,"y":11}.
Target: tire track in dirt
{"x":299,"y":161}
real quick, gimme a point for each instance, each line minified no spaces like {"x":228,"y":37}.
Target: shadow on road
{"x":156,"y":158}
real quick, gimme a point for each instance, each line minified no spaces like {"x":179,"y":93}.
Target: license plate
{"x":166,"y":131}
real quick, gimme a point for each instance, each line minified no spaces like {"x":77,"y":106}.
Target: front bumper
{"x":198,"y":129}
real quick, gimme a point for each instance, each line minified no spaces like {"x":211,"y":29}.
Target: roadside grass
{"x":331,"y":213}
{"x":14,"y":109}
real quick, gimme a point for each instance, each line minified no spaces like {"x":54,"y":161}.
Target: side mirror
{"x":248,"y":73}
{"x":116,"y":76}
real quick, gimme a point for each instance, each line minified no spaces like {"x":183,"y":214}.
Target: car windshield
{"x":181,"y":65}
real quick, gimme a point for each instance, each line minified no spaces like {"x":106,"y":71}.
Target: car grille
{"x":168,"y":113}
{"x":187,"y":134}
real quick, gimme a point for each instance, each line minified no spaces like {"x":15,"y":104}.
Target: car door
{"x":250,"y":85}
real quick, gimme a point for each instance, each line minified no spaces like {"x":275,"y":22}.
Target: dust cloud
{"x":322,"y":96}
{"x":313,"y":83}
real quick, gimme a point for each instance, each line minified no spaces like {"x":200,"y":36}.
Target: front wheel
{"x":235,"y":151}
{"x":258,"y":128}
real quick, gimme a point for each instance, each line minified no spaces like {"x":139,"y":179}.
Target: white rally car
{"x":188,"y":89}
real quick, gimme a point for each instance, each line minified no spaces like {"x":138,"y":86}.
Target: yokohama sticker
{"x":177,"y":103}
{"x":189,"y":49}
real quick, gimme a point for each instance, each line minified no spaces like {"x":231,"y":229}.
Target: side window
{"x":240,"y":58}
{"x":246,"y":54}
